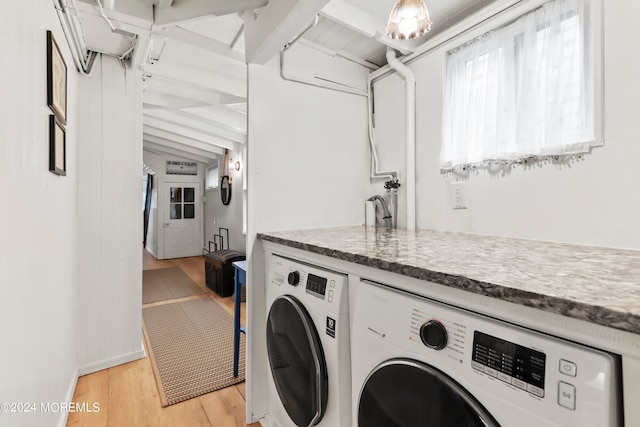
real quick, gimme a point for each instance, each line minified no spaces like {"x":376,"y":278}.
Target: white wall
{"x":230,"y":216}
{"x":109,"y":217}
{"x":308,"y":167}
{"x":592,"y":202}
{"x":306,"y":146}
{"x":38,"y":282}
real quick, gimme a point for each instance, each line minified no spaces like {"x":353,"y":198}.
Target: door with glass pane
{"x":181,"y":225}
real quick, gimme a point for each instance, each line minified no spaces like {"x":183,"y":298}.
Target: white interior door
{"x":181,"y":225}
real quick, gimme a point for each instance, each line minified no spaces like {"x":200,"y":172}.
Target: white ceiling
{"x":192,"y":53}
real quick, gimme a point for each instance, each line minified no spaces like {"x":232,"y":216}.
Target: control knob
{"x":293,"y":278}
{"x":434,"y":335}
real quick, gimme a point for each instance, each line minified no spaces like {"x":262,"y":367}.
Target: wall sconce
{"x":234,"y":163}
{"x":409,"y":19}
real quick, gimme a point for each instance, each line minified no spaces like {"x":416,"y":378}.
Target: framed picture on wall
{"x":56,"y":79}
{"x":57,"y":146}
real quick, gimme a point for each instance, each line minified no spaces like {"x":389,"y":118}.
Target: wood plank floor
{"x":128,"y":395}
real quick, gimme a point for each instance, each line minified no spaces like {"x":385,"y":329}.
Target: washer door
{"x":406,"y":393}
{"x":297,"y":361}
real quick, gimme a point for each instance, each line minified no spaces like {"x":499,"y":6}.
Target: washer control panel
{"x":517,"y":373}
{"x":514,"y":364}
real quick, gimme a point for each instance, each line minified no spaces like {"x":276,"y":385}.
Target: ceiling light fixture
{"x":409,"y":19}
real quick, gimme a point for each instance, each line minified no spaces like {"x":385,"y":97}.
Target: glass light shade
{"x":409,"y":19}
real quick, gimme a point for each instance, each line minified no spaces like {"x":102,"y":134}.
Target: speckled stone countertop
{"x":599,"y":285}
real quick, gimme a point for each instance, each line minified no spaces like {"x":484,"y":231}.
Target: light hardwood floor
{"x":128,"y":395}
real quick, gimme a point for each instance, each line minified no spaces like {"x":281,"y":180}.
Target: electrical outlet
{"x":458,"y":199}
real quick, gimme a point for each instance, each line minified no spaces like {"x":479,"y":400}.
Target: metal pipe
{"x":375,"y":173}
{"x":410,"y":86}
{"x":101,"y":9}
{"x":73,"y":30}
{"x":84,"y":65}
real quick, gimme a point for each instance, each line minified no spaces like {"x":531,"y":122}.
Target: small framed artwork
{"x":56,"y":79}
{"x":57,"y":147}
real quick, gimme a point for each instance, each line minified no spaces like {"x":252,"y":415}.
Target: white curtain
{"x":522,"y":90}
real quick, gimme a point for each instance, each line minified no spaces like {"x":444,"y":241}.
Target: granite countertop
{"x":599,"y":285}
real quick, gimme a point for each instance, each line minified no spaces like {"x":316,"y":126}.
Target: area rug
{"x":167,"y":283}
{"x":191,"y":348}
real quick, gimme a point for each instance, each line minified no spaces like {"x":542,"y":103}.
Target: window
{"x":212,"y":178}
{"x":182,"y":203}
{"x":523,"y":90}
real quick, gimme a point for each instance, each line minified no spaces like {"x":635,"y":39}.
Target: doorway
{"x":181,"y":210}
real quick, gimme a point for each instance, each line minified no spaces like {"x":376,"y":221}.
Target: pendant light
{"x":409,"y":19}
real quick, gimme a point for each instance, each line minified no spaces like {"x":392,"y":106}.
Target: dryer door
{"x":297,"y":361}
{"x":406,"y":393}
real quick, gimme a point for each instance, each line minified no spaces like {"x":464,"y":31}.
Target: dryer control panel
{"x":316,"y":285}
{"x":309,"y":283}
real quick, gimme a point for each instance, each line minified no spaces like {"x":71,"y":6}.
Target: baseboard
{"x":144,"y":352}
{"x":148,"y":249}
{"x":64,"y":415}
{"x":110,"y":363}
{"x":95,"y":367}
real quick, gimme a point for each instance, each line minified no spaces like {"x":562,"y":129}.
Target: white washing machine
{"x":309,"y":378}
{"x":417,"y":362}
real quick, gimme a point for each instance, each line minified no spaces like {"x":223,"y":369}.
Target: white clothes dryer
{"x":309,"y":378}
{"x":418,"y":362}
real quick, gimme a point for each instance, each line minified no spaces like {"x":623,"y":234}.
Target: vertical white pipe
{"x":375,"y":172}
{"x":410,"y":111}
{"x":411,"y":155}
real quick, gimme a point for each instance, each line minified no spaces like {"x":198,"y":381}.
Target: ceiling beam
{"x":149,"y":130}
{"x":190,"y":76}
{"x":189,"y":9}
{"x":186,"y":152}
{"x":209,"y":152}
{"x":136,"y":13}
{"x":351,"y":16}
{"x":273,"y":26}
{"x":204,"y":119}
{"x":188,"y":132}
{"x":226,"y":114}
{"x":199,"y":41}
{"x":160,"y":4}
{"x":185,"y":135}
{"x":161,"y":150}
{"x":164,"y":101}
{"x":361,"y":21}
{"x":160,"y":85}
{"x":182,"y":119}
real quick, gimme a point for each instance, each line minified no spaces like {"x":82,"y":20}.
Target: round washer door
{"x":297,"y":361}
{"x":406,"y":393}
